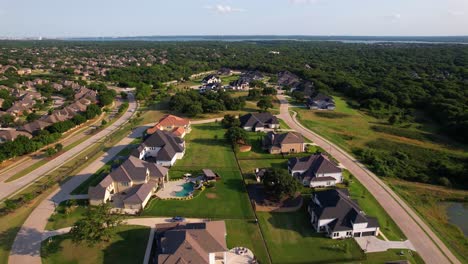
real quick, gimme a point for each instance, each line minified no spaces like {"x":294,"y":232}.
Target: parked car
{"x":178,"y":219}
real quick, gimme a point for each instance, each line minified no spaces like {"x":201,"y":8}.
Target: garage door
{"x":370,"y":233}
{"x":357,"y":234}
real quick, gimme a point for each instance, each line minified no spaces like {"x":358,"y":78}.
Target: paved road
{"x":27,"y":244}
{"x":7,"y":189}
{"x":421,"y":236}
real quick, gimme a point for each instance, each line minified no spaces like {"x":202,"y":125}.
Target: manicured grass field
{"x":248,"y":166}
{"x":207,"y":148}
{"x":246,"y":233}
{"x":228,"y":199}
{"x":127,"y":246}
{"x":393,"y":255}
{"x":291,"y":239}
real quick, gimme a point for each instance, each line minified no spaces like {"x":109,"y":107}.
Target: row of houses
{"x":131,"y":185}
{"x":332,"y":211}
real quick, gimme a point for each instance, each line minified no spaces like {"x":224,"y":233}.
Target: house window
{"x":328,"y":183}
{"x":124,"y":183}
{"x":349,"y":233}
{"x":335,"y":234}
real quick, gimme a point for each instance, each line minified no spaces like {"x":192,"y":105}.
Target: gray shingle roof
{"x":258,"y":119}
{"x":169,"y":143}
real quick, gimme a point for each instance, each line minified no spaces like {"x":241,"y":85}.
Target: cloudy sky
{"x":67,"y":18}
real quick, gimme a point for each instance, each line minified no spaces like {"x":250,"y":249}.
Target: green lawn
{"x":66,"y":215}
{"x":291,"y":239}
{"x":127,"y":246}
{"x":393,"y":255}
{"x":228,"y":199}
{"x":283,"y":124}
{"x":207,"y":148}
{"x":371,"y":207}
{"x":246,"y":233}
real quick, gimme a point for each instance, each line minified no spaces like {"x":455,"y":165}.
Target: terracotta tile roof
{"x":169,"y":121}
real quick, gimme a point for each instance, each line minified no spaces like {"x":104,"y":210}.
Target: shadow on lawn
{"x":234,"y":184}
{"x":129,"y":249}
{"x":211,"y":142}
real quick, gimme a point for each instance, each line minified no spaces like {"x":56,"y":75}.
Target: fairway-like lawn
{"x":291,"y":239}
{"x":128,"y":245}
{"x":207,"y":148}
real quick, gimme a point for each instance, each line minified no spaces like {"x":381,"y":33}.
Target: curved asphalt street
{"x":427,"y":244}
{"x":9,"y":188}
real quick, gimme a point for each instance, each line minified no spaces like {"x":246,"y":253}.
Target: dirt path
{"x":427,"y":244}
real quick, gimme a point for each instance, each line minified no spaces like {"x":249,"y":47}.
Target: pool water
{"x":187,"y":189}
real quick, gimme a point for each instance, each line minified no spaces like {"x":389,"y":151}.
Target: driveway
{"x":372,"y":244}
{"x":426,"y":243}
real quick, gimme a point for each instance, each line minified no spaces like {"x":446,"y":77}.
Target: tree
{"x":280,"y":184}
{"x":58,"y":147}
{"x":7,"y":120}
{"x":32,"y":117}
{"x":194,"y":109}
{"x":230,"y":121}
{"x":254,"y":94}
{"x":269,"y":91}
{"x":124,"y":95}
{"x":92,"y":111}
{"x":97,"y":225}
{"x":50,"y":152}
{"x":298,"y":96}
{"x":7,"y":104}
{"x":236,"y":135}
{"x":265,"y":103}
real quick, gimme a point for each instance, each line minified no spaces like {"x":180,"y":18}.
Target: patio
{"x":171,"y":188}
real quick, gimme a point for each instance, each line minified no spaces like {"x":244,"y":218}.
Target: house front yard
{"x":291,"y":239}
{"x":128,"y":245}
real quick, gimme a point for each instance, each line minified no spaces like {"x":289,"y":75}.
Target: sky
{"x":98,"y":18}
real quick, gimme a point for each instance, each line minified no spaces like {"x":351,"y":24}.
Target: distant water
{"x":458,"y":215}
{"x":344,"y":39}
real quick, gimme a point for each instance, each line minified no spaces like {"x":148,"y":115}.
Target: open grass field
{"x":291,"y":239}
{"x":127,"y":246}
{"x":428,"y":200}
{"x":67,"y":214}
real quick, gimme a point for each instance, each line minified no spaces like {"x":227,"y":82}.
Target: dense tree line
{"x":194,"y":103}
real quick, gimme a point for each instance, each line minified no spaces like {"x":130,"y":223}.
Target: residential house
{"x":224,"y":71}
{"x":259,"y":121}
{"x":252,"y":75}
{"x":321,"y":102}
{"x":240,"y":84}
{"x":211,"y":87}
{"x":177,"y":125}
{"x":201,"y":243}
{"x":24,"y":71}
{"x":10,"y":135}
{"x":286,"y":78}
{"x":34,"y":126}
{"x":334,"y":213}
{"x":260,"y":173}
{"x":290,"y":142}
{"x":315,"y":171}
{"x":212,"y":78}
{"x":130,"y":185}
{"x":162,"y":147}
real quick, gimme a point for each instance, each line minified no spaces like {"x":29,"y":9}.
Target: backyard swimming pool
{"x":187,"y":189}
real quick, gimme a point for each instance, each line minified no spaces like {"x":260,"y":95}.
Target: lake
{"x":458,"y":215}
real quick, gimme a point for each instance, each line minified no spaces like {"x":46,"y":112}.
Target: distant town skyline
{"x":119,"y":18}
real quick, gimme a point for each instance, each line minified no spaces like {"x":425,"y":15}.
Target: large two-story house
{"x":315,"y":171}
{"x":259,"y":121}
{"x":177,"y":125}
{"x":211,"y":79}
{"x":131,"y":184}
{"x":321,"y":102}
{"x":334,"y":213}
{"x":290,"y":142}
{"x":203,"y":243}
{"x":162,"y":147}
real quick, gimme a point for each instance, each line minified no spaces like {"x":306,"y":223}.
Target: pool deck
{"x":170,"y":189}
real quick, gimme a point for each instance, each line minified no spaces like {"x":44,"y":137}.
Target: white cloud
{"x":456,"y":13}
{"x":224,"y":9}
